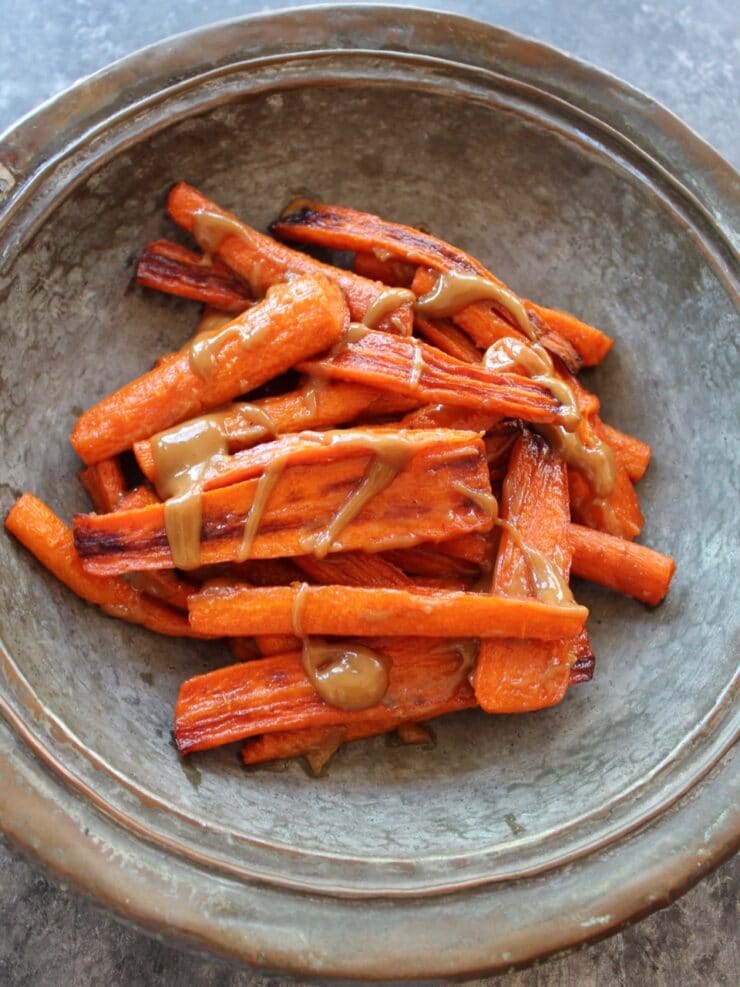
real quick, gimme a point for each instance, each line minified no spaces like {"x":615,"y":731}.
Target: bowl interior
{"x":560,"y":222}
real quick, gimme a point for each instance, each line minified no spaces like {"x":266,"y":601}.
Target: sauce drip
{"x":454,"y":291}
{"x":207,"y":345}
{"x":182,"y":457}
{"x":210,"y":229}
{"x":466,"y":649}
{"x":546,"y":579}
{"x":354,"y":332}
{"x":346,"y":676}
{"x":212,"y":322}
{"x":386,"y":302}
{"x":265,"y":486}
{"x":417,"y":367}
{"x":482,"y":498}
{"x":595,"y":461}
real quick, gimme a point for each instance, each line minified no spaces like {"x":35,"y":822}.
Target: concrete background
{"x":684,"y":54}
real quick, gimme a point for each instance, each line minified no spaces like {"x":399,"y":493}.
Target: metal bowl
{"x":516,"y":836}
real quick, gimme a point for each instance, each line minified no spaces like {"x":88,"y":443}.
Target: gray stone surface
{"x":681,"y":53}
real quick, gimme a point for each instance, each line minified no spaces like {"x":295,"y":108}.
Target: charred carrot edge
{"x":294,"y":321}
{"x":634,"y":570}
{"x":276,"y":644}
{"x":448,"y":338}
{"x":262,"y":261}
{"x":427,"y":562}
{"x":137,"y":497}
{"x":426,"y":679}
{"x":348,"y":229}
{"x":175,"y":270}
{"x":633,"y":454}
{"x":47,"y":537}
{"x":303,"y":502}
{"x":333,"y":403}
{"x":421,"y":371}
{"x":105,"y":483}
{"x":590,"y":343}
{"x":391,"y":272}
{"x":518,"y":676}
{"x":353,"y":569}
{"x":581,"y":658}
{"x":360,"y":612}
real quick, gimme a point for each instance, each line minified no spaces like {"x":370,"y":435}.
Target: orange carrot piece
{"x":330,"y":403}
{"x":262,"y":261}
{"x":621,"y":565}
{"x":429,"y":499}
{"x":392,"y":272}
{"x":105,"y":483}
{"x":358,"y":611}
{"x":276,"y":644}
{"x":47,"y":537}
{"x":428,"y":562}
{"x":353,"y":569}
{"x":244,"y":648}
{"x":618,"y":514}
{"x":448,"y":338}
{"x":470,"y":548}
{"x":294,"y":321}
{"x":175,"y":270}
{"x":447,"y":416}
{"x":590,"y":343}
{"x":423,"y":372}
{"x":633,"y":454}
{"x":426,"y":679}
{"x":518,"y":676}
{"x":581,"y":659}
{"x":140,"y":496}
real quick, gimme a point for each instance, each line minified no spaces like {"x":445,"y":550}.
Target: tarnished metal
{"x":516,"y":837}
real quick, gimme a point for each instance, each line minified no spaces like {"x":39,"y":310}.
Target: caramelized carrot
{"x":330,"y":403}
{"x":294,"y":321}
{"x":471,"y":548}
{"x":633,"y":454}
{"x":426,"y":561}
{"x":360,"y":612}
{"x":263,"y":262}
{"x":392,"y":272}
{"x":175,"y":270}
{"x":276,"y":644}
{"x":581,"y":658}
{"x":317,"y":744}
{"x":517,"y":676}
{"x":617,"y":514}
{"x":590,"y":343}
{"x":621,"y":565}
{"x":429,"y":375}
{"x":244,"y":648}
{"x":105,"y":483}
{"x":428,"y":499}
{"x":448,"y":416}
{"x":354,"y":569}
{"x":47,"y":537}
{"x":448,"y":338}
{"x":426,"y":679}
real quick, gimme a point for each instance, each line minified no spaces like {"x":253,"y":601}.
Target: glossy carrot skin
{"x":175,"y":270}
{"x":47,"y":537}
{"x":353,"y":569}
{"x":361,"y":612}
{"x":273,"y":694}
{"x":294,"y":321}
{"x":332,"y":403}
{"x":633,"y":454}
{"x":392,"y":272}
{"x":105,"y":483}
{"x":519,"y":676}
{"x":634,"y":570}
{"x":421,"y":503}
{"x":263,"y":262}
{"x":443,"y":334}
{"x":388,"y":362}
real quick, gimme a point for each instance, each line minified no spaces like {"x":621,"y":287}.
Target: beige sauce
{"x":210,"y":229}
{"x":265,"y":486}
{"x":347,"y":676}
{"x":386,"y":302}
{"x":481,"y":498}
{"x":206,"y":347}
{"x":182,"y":457}
{"x":417,"y":367}
{"x":467,"y":649}
{"x":547,"y":580}
{"x":595,"y":462}
{"x":454,"y":291}
{"x":212,"y":322}
{"x":296,"y":613}
{"x":354,"y":332}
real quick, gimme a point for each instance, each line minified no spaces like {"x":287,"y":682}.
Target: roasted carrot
{"x":244,"y":648}
{"x":514,"y":676}
{"x":322,"y":405}
{"x":423,"y":372}
{"x":617,"y":514}
{"x":448,"y":416}
{"x":175,"y":270}
{"x":391,"y":272}
{"x":105,"y":483}
{"x":317,"y":744}
{"x":359,"y":612}
{"x":426,"y":679}
{"x":621,"y":565}
{"x":633,"y":454}
{"x":47,"y":537}
{"x":448,"y":338}
{"x":427,"y":562}
{"x":348,"y":229}
{"x":263,"y":262}
{"x":429,"y":499}
{"x":276,"y":644}
{"x":471,"y":548}
{"x":353,"y":569}
{"x":581,"y":658}
{"x":294,"y":321}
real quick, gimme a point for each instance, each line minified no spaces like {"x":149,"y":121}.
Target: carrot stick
{"x":330,"y":403}
{"x":359,"y":612}
{"x":175,"y":270}
{"x":353,"y":569}
{"x":428,"y":499}
{"x":582,"y":660}
{"x":517,"y":676}
{"x":448,"y":416}
{"x":276,"y":644}
{"x":105,"y":483}
{"x":471,"y":548}
{"x":348,"y":229}
{"x":617,"y":514}
{"x":262,"y":261}
{"x":392,"y":272}
{"x":448,"y":338}
{"x":426,"y":561}
{"x":294,"y":321}
{"x":633,"y":454}
{"x":137,"y":497}
{"x":426,"y":679}
{"x":621,"y":565}
{"x":244,"y":648}
{"x":47,"y":537}
{"x":429,"y":375}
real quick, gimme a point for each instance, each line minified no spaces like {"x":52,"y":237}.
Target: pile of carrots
{"x":374,"y":483}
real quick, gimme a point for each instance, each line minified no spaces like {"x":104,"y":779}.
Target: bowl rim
{"x":33,"y":152}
